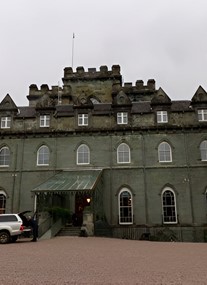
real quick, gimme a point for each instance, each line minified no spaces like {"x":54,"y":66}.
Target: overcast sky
{"x":161,"y":39}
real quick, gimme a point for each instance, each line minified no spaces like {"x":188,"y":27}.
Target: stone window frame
{"x":125,"y":211}
{"x":164,"y":152}
{"x":202,"y":115}
{"x":121,"y":154}
{"x":6,"y":122}
{"x":169,"y":206}
{"x":83,"y":155}
{"x":5,"y":156}
{"x":203,"y":150}
{"x":3,"y":198}
{"x":162,"y":117}
{"x":44,"y":121}
{"x":43,"y":157}
{"x":83,"y":119}
{"x":122,"y":118}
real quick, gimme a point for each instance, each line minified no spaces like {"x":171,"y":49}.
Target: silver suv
{"x":11,"y":226}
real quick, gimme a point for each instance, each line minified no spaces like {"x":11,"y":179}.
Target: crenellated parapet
{"x":139,"y":86}
{"x":100,"y":85}
{"x":55,"y":95}
{"x":91,"y":74}
{"x":140,"y":91}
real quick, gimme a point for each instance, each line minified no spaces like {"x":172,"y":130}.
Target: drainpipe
{"x":145,"y":180}
{"x":14,"y":175}
{"x":21,"y":167}
{"x":189,"y":179}
{"x":111,"y":204}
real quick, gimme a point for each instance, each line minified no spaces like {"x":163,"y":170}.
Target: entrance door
{"x":81,"y":201}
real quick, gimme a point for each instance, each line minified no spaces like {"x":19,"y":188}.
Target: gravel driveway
{"x":79,"y":260}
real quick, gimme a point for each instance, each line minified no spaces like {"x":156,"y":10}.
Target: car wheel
{"x":4,"y":237}
{"x":14,"y":238}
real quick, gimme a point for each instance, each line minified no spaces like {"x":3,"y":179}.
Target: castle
{"x":130,"y":154}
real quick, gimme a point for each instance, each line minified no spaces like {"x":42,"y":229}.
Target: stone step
{"x":69,"y":231}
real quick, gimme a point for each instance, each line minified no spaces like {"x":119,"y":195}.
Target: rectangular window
{"x":83,"y":119}
{"x":202,"y":115}
{"x":44,"y":121}
{"x":6,"y":122}
{"x":122,"y":118}
{"x":162,"y":117}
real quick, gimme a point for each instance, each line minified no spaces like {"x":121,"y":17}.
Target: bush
{"x":58,"y":212}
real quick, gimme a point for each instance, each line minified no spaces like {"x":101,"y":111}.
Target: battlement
{"x":139,"y":86}
{"x":92,"y":73}
{"x":44,"y":89}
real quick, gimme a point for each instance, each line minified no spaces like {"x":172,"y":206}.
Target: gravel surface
{"x":79,"y":260}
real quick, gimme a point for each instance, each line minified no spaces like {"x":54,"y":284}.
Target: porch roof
{"x":64,"y":181}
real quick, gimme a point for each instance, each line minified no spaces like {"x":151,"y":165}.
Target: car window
{"x":8,"y":218}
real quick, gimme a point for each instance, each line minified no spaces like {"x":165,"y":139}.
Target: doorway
{"x":81,"y":202}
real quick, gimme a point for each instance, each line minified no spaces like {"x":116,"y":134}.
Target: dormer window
{"x":83,"y":119}
{"x":162,"y":117}
{"x":5,"y":122}
{"x":122,"y":118}
{"x":202,"y":115}
{"x":44,"y":121}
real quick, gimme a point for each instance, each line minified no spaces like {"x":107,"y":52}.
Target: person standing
{"x":33,"y":224}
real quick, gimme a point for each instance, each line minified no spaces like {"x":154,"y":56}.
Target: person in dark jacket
{"x":33,"y":224}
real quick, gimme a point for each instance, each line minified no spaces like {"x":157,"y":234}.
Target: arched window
{"x":125,"y":207}
{"x":123,"y":153}
{"x":169,"y":210}
{"x":43,"y":155}
{"x":4,"y":156}
{"x":83,"y":154}
{"x":164,"y":152}
{"x":203,"y":150}
{"x":2,"y":202}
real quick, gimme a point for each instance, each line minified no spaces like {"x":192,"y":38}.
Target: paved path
{"x":76,"y":260}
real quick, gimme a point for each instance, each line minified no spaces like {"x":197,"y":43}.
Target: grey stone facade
{"x":163,"y":151}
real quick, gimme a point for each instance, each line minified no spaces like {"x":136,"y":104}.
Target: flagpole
{"x":73,"y":48}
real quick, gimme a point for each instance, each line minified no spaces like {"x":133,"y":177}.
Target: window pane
{"x":4,"y":156}
{"x":83,"y":154}
{"x":162,"y":117}
{"x":43,"y":156}
{"x":5,"y":122}
{"x":125,"y":207}
{"x":164,"y":152}
{"x":2,"y":203}
{"x":83,"y":119}
{"x":203,"y":150}
{"x":202,"y":115}
{"x":169,"y":207}
{"x":123,"y":153}
{"x":44,"y":121}
{"x":122,"y":118}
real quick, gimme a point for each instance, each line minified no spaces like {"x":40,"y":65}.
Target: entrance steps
{"x":69,"y":230}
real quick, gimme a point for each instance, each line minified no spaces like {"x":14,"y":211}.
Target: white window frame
{"x":202,"y":115}
{"x":123,"y":153}
{"x":82,"y":119}
{"x":128,"y":219}
{"x":44,"y":121}
{"x":43,"y":156}
{"x":83,"y":155}
{"x":173,"y":219}
{"x":162,"y":117}
{"x":203,"y":150}
{"x":6,"y":122}
{"x":4,"y":156}
{"x":164,"y":151}
{"x":122,"y":118}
